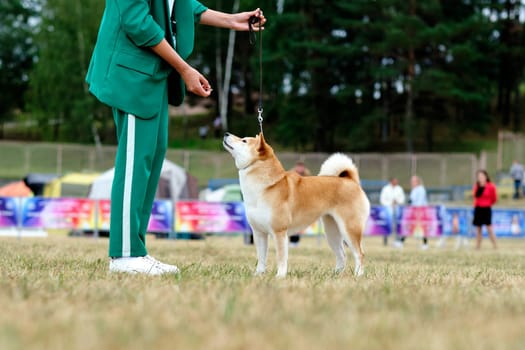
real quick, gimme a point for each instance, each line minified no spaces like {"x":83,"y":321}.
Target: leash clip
{"x":260,"y":117}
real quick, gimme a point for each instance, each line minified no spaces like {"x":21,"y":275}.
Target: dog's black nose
{"x":226,"y":134}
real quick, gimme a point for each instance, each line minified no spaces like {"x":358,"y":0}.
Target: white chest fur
{"x":258,"y":211}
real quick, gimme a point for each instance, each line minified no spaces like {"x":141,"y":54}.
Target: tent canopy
{"x":37,"y":181}
{"x":173,"y":183}
{"x":15,"y":189}
{"x":70,"y":185}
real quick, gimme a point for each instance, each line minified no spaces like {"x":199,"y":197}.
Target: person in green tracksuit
{"x":138,"y":67}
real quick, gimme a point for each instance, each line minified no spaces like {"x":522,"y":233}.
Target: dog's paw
{"x":280,"y":275}
{"x":339,"y":269}
{"x":359,"y":272}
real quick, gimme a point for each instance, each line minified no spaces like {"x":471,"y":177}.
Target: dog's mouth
{"x":226,"y":144}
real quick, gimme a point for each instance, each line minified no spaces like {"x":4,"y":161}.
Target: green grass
{"x":56,"y":293}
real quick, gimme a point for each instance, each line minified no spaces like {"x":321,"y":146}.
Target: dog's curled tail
{"x":339,"y":165}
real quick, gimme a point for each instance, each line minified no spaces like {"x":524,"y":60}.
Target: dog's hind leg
{"x":261,"y":245}
{"x":352,"y":236}
{"x":357,"y":250}
{"x":335,"y":241}
{"x":281,"y":245}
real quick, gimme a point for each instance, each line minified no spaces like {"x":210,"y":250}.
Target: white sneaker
{"x":141,"y":264}
{"x":398,"y":244}
{"x":167,"y":267}
{"x":424,"y":246}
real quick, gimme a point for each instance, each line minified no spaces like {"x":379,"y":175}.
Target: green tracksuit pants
{"x":141,"y":149}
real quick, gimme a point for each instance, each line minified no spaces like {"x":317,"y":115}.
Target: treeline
{"x":337,"y":75}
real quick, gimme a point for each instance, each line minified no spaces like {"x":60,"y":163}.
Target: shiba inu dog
{"x":280,"y":202}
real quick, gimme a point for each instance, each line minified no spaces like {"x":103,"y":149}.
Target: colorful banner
{"x":314,"y":229}
{"x":420,"y":221}
{"x":8,"y":212}
{"x":103,"y":214}
{"x":457,"y":221}
{"x":161,"y":220}
{"x":505,"y":222}
{"x":58,"y":213}
{"x":379,"y":222}
{"x":210,"y":217}
{"x":508,"y":223}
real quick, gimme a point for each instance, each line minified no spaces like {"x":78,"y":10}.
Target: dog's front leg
{"x":281,"y":244}
{"x":261,"y":245}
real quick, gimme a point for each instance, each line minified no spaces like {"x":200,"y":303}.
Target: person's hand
{"x":239,"y":21}
{"x":196,"y":82}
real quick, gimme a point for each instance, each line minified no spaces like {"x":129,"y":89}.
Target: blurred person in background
{"x":485,"y":196}
{"x":392,"y":196}
{"x":417,"y":198}
{"x":517,"y":172}
{"x":301,"y":169}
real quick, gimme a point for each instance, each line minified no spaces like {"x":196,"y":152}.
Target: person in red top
{"x":485,"y":196}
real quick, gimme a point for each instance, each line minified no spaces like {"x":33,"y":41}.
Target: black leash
{"x":253,"y":20}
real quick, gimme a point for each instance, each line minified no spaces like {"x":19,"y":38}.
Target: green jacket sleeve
{"x":138,"y":24}
{"x":198,"y":9}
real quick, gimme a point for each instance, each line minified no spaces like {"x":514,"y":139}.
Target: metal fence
{"x":437,"y":170}
{"x":511,"y":146}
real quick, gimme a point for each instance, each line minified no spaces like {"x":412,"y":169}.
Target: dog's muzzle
{"x":225,"y":143}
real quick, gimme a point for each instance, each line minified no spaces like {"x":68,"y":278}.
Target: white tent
{"x":173,"y":183}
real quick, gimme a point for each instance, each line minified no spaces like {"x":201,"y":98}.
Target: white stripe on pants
{"x":128,"y":181}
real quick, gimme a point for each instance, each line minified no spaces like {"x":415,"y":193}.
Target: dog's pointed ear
{"x":261,"y":145}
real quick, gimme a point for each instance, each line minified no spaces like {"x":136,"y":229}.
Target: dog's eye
{"x":244,"y":141}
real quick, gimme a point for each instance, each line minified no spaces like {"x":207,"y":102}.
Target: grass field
{"x":56,"y":293}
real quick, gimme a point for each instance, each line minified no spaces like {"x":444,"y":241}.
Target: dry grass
{"x":55,"y":293}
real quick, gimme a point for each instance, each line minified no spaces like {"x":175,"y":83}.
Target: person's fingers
{"x":198,"y":87}
{"x":262,"y":20}
{"x":204,"y":83}
{"x":197,"y":83}
{"x":200,"y":90}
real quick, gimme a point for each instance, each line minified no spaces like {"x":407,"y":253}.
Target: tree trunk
{"x":218,"y":63}
{"x":82,"y":57}
{"x":225,"y":90}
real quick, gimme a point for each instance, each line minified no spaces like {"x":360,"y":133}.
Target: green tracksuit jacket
{"x":124,"y":73}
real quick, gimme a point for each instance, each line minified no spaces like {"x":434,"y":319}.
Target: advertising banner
{"x":379,"y":223}
{"x":58,"y":213}
{"x":210,"y":217}
{"x":424,"y":221}
{"x":457,"y":221}
{"x":103,"y":214}
{"x":508,"y":223}
{"x":314,"y":229}
{"x":8,"y":212}
{"x":161,"y":219}
{"x":505,"y":222}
